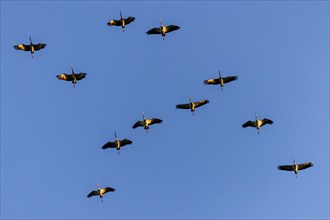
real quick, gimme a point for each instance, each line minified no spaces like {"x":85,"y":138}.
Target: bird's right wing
{"x":125,"y":142}
{"x":183,"y":106}
{"x":80,"y":76}
{"x":305,"y":165}
{"x":114,"y":22}
{"x":137,"y":124}
{"x":286,"y":167}
{"x":249,"y":123}
{"x":129,"y":20}
{"x":266,"y":121}
{"x":109,"y":189}
{"x":155,"y":121}
{"x":39,"y":46}
{"x":172,"y":28}
{"x":201,"y":102}
{"x":93,"y":193}
{"x":22,"y":47}
{"x":211,"y":81}
{"x":109,"y":145}
{"x":154,"y":31}
{"x":229,"y":79}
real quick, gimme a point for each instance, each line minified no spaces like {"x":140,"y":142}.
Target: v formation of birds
{"x":145,"y":123}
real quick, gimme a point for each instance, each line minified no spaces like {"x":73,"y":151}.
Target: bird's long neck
{"x":121,"y":17}
{"x":30,"y":41}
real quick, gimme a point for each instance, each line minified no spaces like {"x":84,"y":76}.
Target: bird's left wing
{"x":22,"y":47}
{"x":211,"y":81}
{"x":285,"y":167}
{"x":183,"y":106}
{"x":154,"y":31}
{"x":137,"y":124}
{"x":305,"y":165}
{"x":93,"y":193}
{"x":172,"y":28}
{"x":129,"y":20}
{"x":201,"y":102}
{"x":109,"y":145}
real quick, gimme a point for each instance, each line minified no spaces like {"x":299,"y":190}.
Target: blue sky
{"x":202,"y":166}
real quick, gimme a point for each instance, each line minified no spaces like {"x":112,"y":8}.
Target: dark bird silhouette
{"x":146,"y":122}
{"x":163,"y":29}
{"x":220,"y":81}
{"x":192,"y":105}
{"x":100,"y":192}
{"x":117,"y":143}
{"x":296,"y":167}
{"x":257,"y":123}
{"x":121,"y":22}
{"x":73,"y":77}
{"x":31,"y":47}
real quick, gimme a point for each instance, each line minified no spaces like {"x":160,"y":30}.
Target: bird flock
{"x":146,"y":123}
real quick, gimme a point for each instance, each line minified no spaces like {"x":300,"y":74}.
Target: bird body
{"x":73,"y":77}
{"x":192,"y":105}
{"x":295,"y":167}
{"x":163,"y":29}
{"x":31,"y":47}
{"x":100,"y":192}
{"x":121,"y":22}
{"x":117,"y":143}
{"x":257,"y":123}
{"x":146,"y":122}
{"x":220,"y":81}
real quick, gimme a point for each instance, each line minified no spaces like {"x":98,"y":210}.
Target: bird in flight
{"x":31,"y":47}
{"x":100,"y":192}
{"x":296,"y":167}
{"x":192,"y":105}
{"x":121,"y":22}
{"x":117,"y":143}
{"x":163,"y":29}
{"x":146,"y":122}
{"x":257,"y":123}
{"x":73,"y":77}
{"x":220,"y":81}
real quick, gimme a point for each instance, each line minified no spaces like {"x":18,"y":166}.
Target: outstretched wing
{"x":129,"y":20}
{"x":229,"y":79}
{"x":171,"y":28}
{"x":305,"y":165}
{"x":64,"y":76}
{"x":93,"y":193}
{"x":286,"y":167}
{"x":249,"y":124}
{"x":154,"y":31}
{"x":109,"y":145}
{"x":266,"y":121}
{"x":200,"y":103}
{"x":183,"y":106}
{"x":125,"y":142}
{"x":109,"y":189}
{"x":211,"y":81}
{"x":39,"y":46}
{"x":155,"y":121}
{"x":22,"y":47}
{"x":80,"y":76}
{"x":138,"y":124}
{"x":114,"y":22}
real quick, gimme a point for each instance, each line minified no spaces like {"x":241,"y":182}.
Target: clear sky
{"x":202,"y":166}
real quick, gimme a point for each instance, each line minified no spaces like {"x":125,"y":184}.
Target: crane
{"x":146,"y":122}
{"x":73,"y":77}
{"x":192,"y":105}
{"x":100,"y":192}
{"x":31,"y":47}
{"x":257,"y":123}
{"x":117,"y":143}
{"x":121,"y":22}
{"x":220,"y":81}
{"x":295,"y":167}
{"x":163,"y":29}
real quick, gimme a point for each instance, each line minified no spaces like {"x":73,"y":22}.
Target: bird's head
{"x":61,"y":76}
